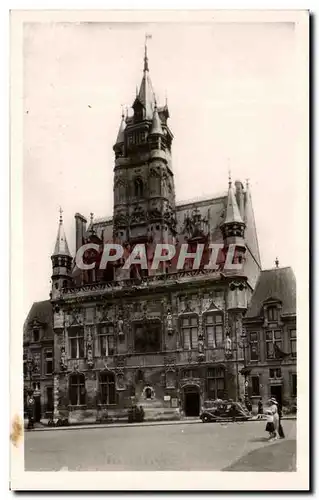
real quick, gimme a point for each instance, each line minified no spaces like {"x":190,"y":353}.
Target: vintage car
{"x":224,"y":411}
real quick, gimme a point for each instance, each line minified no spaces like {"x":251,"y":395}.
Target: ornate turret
{"x":61,"y":261}
{"x":145,"y":100}
{"x":233,"y":225}
{"x":144,"y":194}
{"x":119,"y":144}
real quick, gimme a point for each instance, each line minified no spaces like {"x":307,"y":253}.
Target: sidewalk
{"x":43,"y":425}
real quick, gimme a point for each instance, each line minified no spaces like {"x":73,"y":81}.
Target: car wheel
{"x":205,"y":419}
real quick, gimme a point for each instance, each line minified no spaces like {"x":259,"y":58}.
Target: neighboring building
{"x":166,"y":339}
{"x":38,"y":357}
{"x":271,"y":332}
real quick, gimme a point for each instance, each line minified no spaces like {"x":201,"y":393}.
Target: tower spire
{"x":61,"y":245}
{"x":232,"y":210}
{"x":146,"y":93}
{"x":147,"y":36}
{"x":120,"y":134}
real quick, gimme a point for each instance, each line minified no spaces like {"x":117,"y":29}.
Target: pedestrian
{"x":270,"y":428}
{"x":274,"y":409}
{"x":280,"y":429}
{"x":260,"y":409}
{"x":233,"y":410}
{"x":249,"y":406}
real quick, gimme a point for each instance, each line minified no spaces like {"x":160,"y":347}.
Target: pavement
{"x":43,"y":425}
{"x":165,"y":446}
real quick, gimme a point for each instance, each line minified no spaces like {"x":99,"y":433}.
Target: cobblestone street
{"x":183,"y":446}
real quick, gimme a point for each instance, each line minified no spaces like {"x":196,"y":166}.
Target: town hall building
{"x":167,"y":339}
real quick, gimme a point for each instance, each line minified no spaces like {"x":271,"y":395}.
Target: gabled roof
{"x":40,"y":312}
{"x":277,"y":284}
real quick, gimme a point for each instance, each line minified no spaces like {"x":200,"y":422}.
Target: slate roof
{"x":278,"y":284}
{"x":41,"y":312}
{"x":61,"y":244}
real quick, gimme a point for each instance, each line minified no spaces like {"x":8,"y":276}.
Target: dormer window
{"x":36,"y":335}
{"x":272,"y":313}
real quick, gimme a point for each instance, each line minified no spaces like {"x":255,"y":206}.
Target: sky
{"x":232,"y":91}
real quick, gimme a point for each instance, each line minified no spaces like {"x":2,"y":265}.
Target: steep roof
{"x":61,"y":245}
{"x":232,"y":210}
{"x":42,"y":313}
{"x":156,"y":123}
{"x":120,"y":134}
{"x":213,"y":209}
{"x":146,"y":94}
{"x":278,"y":284}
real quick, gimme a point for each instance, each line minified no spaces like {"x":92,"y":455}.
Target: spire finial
{"x":166,"y":98}
{"x":247,"y":183}
{"x":229,"y":172}
{"x":91,"y":217}
{"x":277,"y":262}
{"x":61,"y":212}
{"x":147,"y":37}
{"x":122,"y":108}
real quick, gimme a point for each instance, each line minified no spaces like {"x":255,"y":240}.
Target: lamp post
{"x":30,"y":365}
{"x":229,"y":349}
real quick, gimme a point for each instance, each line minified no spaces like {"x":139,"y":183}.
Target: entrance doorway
{"x":191,"y":402}
{"x":37,"y":409}
{"x":276,"y":392}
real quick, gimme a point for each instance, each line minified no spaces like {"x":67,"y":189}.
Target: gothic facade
{"x":167,"y":339}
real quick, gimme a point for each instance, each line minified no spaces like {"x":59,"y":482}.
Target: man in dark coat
{"x":280,"y":429}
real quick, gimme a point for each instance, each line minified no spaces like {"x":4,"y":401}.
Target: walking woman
{"x":274,"y":410}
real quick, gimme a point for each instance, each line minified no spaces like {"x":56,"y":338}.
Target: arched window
{"x":138,"y":188}
{"x":77,"y":389}
{"x":107,"y":388}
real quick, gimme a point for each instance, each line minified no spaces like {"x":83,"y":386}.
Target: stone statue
{"x":120,"y":326}
{"x":63,"y":358}
{"x":228,"y":345}
{"x":200,"y":347}
{"x":169,"y":321}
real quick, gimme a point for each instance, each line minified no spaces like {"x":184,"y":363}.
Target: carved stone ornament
{"x":120,"y":326}
{"x":237,"y":285}
{"x":75,"y":316}
{"x":195,"y":225}
{"x":63,"y":363}
{"x":228,"y":347}
{"x":76,"y":365}
{"x":120,"y":382}
{"x":169,"y":319}
{"x":89,"y":349}
{"x":138,"y":215}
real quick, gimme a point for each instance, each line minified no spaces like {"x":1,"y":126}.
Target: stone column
{"x":55,"y":397}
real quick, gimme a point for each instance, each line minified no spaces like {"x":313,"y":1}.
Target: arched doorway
{"x":191,"y":401}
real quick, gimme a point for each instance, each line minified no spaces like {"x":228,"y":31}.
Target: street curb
{"x":142,"y":424}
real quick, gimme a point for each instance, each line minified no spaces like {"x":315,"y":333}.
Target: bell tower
{"x":144,"y":192}
{"x":61,"y":262}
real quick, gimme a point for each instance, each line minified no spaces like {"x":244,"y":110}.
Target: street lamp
{"x":231,"y":346}
{"x":30,"y":366}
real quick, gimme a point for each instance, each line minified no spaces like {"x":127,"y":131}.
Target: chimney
{"x":80,"y":229}
{"x":240,"y":197}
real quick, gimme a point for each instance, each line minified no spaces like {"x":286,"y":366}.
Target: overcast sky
{"x":231,"y":92}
